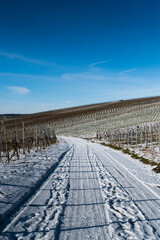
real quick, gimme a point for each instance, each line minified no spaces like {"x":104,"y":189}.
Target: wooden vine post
{"x":151,"y":133}
{"x":156,"y":131}
{"x":136,"y":134}
{"x":5,"y":141}
{"x":159,"y":136}
{"x":16,"y":140}
{"x":141,"y":135}
{"x":36,"y":137}
{"x":0,"y":140}
{"x":146,"y":134}
{"x":23,"y":137}
{"x":128,"y":136}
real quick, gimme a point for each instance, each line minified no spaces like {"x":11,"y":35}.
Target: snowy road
{"x":90,"y":195}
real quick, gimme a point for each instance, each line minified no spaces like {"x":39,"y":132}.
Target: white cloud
{"x":86,"y":76}
{"x":68,"y":102}
{"x":127,"y":71}
{"x":72,"y":76}
{"x":50,"y":105}
{"x":96,"y":63}
{"x":19,"y":90}
{"x":25,"y":59}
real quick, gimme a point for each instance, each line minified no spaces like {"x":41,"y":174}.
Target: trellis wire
{"x":24,"y":138}
{"x":136,"y":135}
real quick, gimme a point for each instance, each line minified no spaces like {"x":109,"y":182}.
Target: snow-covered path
{"x":90,"y":195}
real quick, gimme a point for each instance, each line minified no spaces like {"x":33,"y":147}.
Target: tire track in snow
{"x":93,"y":163}
{"x":61,"y":216}
{"x":147,"y":227}
{"x":41,"y":218}
{"x":84,"y":215}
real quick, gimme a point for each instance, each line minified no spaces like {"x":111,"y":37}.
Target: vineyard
{"x":134,"y":121}
{"x":21,"y":139}
{"x":125,"y":115}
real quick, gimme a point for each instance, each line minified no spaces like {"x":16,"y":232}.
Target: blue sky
{"x":57,"y":54}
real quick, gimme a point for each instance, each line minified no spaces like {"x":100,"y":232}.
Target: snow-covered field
{"x":92,"y":192}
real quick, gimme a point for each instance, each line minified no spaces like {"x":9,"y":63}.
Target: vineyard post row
{"x":22,"y":139}
{"x":147,"y":134}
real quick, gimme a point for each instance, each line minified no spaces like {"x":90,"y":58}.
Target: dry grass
{"x":135,"y":156}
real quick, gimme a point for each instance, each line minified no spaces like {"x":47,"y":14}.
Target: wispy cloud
{"x":87,"y":76}
{"x":73,"y":76}
{"x":24,"y":58}
{"x":102,"y":77}
{"x":127,"y":71}
{"x":21,"y":75}
{"x":96,"y":63}
{"x":19,"y":90}
{"x":48,"y":106}
{"x":91,"y":76}
{"x":68,"y":102}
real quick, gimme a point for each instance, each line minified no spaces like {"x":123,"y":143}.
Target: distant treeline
{"x":10,"y":115}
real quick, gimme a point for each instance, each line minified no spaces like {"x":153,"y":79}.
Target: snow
{"x":150,"y":153}
{"x":93,"y":193}
{"x":20,"y":178}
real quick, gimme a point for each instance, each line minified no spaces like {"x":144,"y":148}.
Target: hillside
{"x":90,"y":119}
